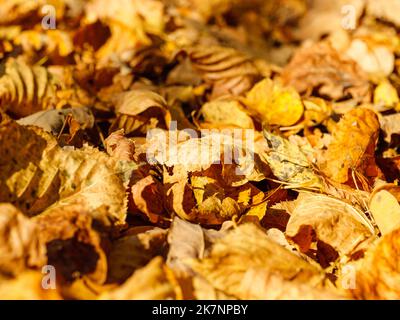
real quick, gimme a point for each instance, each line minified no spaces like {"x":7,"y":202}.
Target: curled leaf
{"x":353,"y":146}
{"x":139,"y":111}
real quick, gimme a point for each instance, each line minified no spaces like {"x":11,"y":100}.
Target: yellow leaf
{"x":274,"y":103}
{"x":385,"y":210}
{"x":247,"y":251}
{"x":289,"y":163}
{"x":152,"y":282}
{"x":36,"y":173}
{"x":386,"y":95}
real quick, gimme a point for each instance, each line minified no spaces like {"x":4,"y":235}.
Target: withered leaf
{"x":377,"y":275}
{"x":20,"y":246}
{"x":290,"y":164}
{"x":321,"y":68}
{"x":73,"y":247}
{"x":353,"y":146}
{"x":139,"y":111}
{"x":275,"y":104}
{"x":37,"y":173}
{"x":152,"y":282}
{"x":332,"y":221}
{"x":248,"y":249}
{"x":25,"y":90}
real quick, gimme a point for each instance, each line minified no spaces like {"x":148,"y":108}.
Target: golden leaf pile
{"x":199,"y":149}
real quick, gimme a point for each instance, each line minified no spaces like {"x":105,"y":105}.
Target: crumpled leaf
{"x":228,"y":70}
{"x":290,"y":164}
{"x":328,"y":220}
{"x":353,"y":147}
{"x":377,"y":275}
{"x":275,"y":104}
{"x":139,"y":111}
{"x":247,"y":250}
{"x":36,"y":173}
{"x":25,"y":90}
{"x":119,"y":147}
{"x":73,"y":247}
{"x":134,"y":250}
{"x":152,"y":282}
{"x":321,"y":68}
{"x":20,"y":247}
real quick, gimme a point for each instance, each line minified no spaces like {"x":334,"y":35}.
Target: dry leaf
{"x":20,"y":246}
{"x":321,"y":68}
{"x":290,"y":164}
{"x":329,"y":220}
{"x":228,"y":70}
{"x":275,"y":104}
{"x":245,"y":250}
{"x":353,"y":147}
{"x":36,"y":173}
{"x":25,"y":90}
{"x":377,"y":275}
{"x":133,"y":251}
{"x":152,"y":282}
{"x":139,"y":111}
{"x":226,"y":112}
{"x":385,"y":210}
{"x":73,"y":247}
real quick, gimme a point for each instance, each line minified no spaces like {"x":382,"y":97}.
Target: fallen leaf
{"x":152,"y":282}
{"x":275,"y":104}
{"x":329,"y":220}
{"x":289,"y":163}
{"x":245,"y":250}
{"x":323,"y":69}
{"x":353,"y":147}
{"x":25,"y":90}
{"x":139,"y":111}
{"x":385,"y":210}
{"x":20,"y":247}
{"x":377,"y":275}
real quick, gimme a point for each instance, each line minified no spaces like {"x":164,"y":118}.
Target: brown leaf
{"x":73,"y":247}
{"x":353,"y":147}
{"x":378,"y":274}
{"x":36,"y":173}
{"x":134,"y":250}
{"x":152,"y":282}
{"x":321,"y":68}
{"x":139,"y":111}
{"x":247,"y":250}
{"x":228,"y":70}
{"x":25,"y":90}
{"x":20,"y":247}
{"x":328,"y":220}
